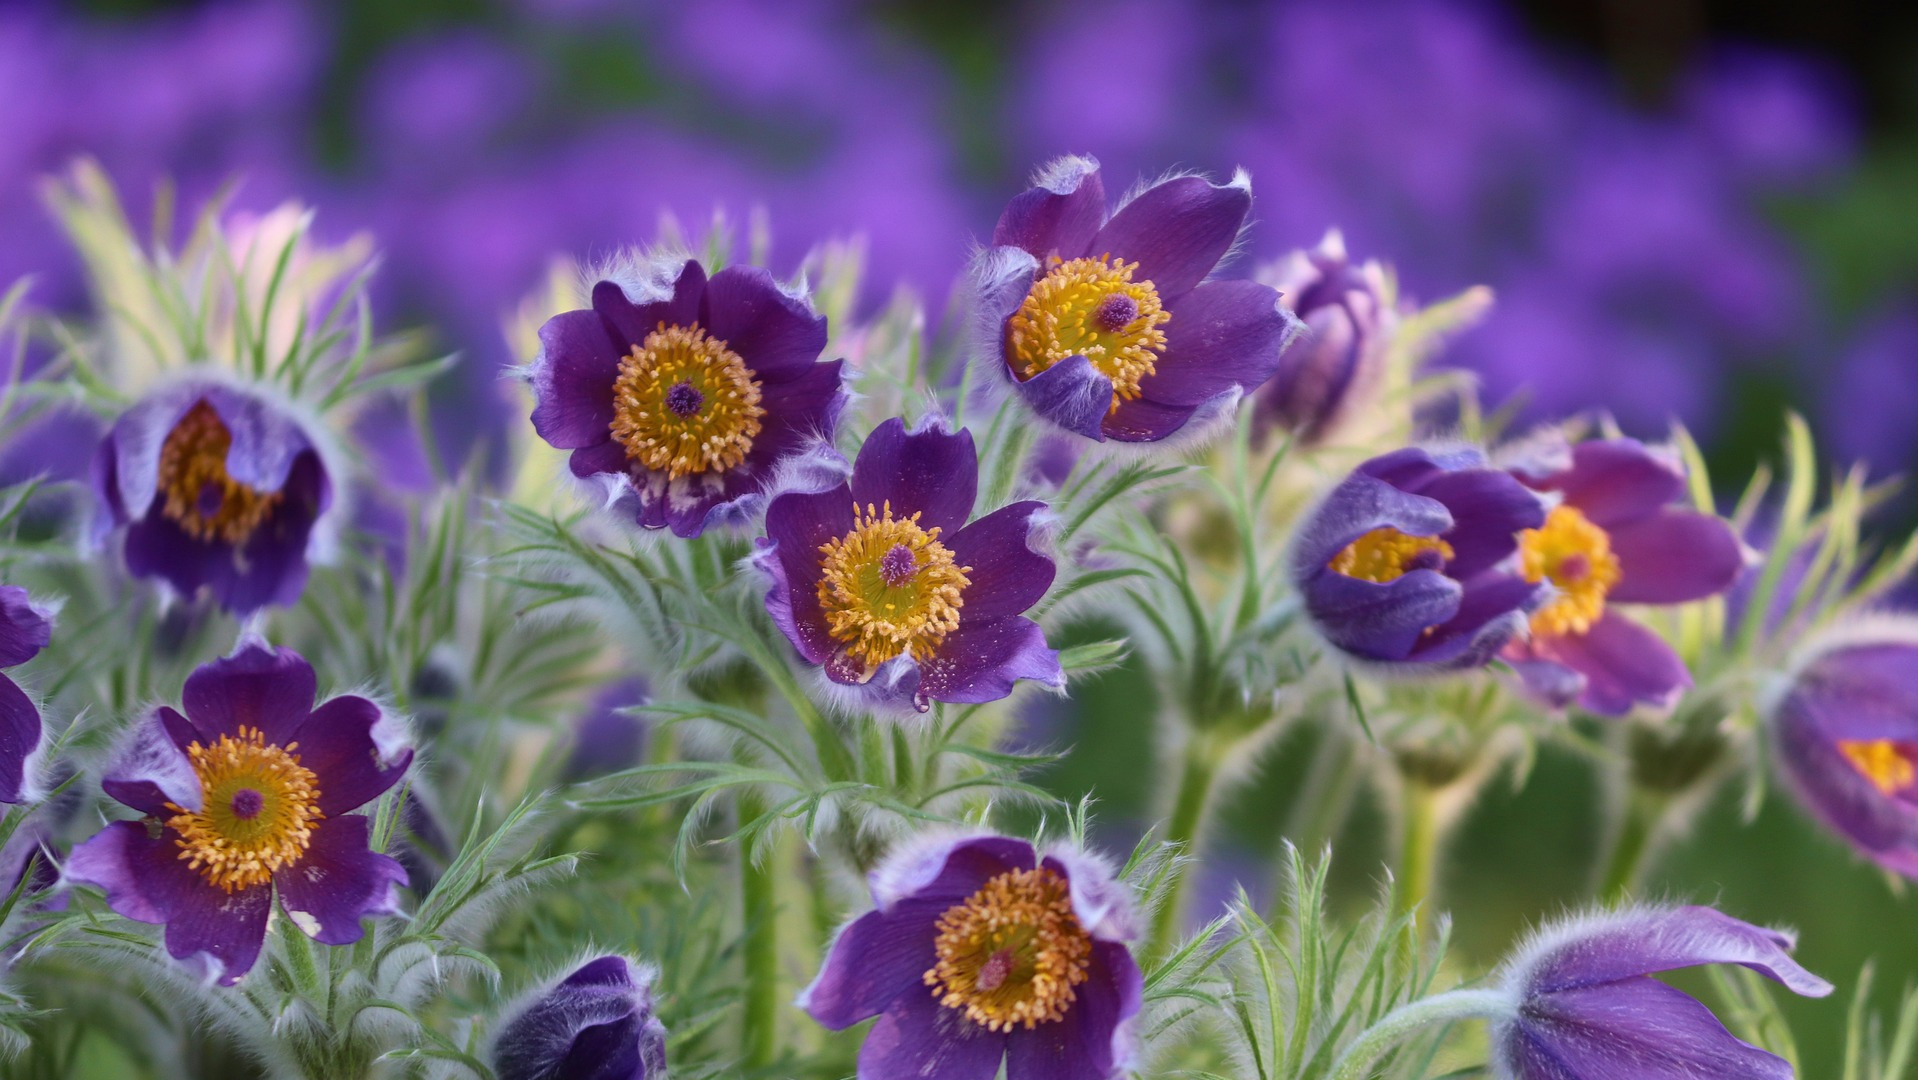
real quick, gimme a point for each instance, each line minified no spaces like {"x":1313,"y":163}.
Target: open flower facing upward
{"x":1107,"y":326}
{"x":1397,"y":564}
{"x":883,"y":583}
{"x":1615,"y":537}
{"x":246,"y":794}
{"x":1585,"y":1007}
{"x":981,"y":948}
{"x":685,"y":396}
{"x":217,"y":488}
{"x":595,"y":1024}
{"x":1339,"y":359}
{"x":25,"y":629}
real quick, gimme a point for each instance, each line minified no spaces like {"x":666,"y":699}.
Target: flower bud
{"x":595,"y":1024}
{"x":1337,"y":364}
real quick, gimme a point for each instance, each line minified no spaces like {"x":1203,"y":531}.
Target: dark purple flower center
{"x":1115,"y":312}
{"x":684,"y":399}
{"x":898,"y":566}
{"x":1430,"y":558}
{"x":247,"y":803}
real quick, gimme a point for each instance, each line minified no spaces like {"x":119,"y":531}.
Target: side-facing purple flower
{"x":882,"y":583}
{"x":1397,"y":566}
{"x":1107,"y":326}
{"x":980,"y":948}
{"x":684,"y":396}
{"x":25,"y":629}
{"x":217,"y":488}
{"x":1585,"y":1005}
{"x":1615,"y":536}
{"x":1339,"y":359}
{"x":606,"y":738}
{"x":595,"y":1024}
{"x":246,"y":795}
{"x":1845,"y":739}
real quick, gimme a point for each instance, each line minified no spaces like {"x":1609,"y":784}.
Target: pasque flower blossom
{"x":1339,"y":359}
{"x":595,"y":1024}
{"x":1107,"y":326}
{"x":25,"y":629}
{"x":882,"y":582}
{"x":1613,"y":537}
{"x":981,"y":948}
{"x":245,"y":796}
{"x":684,"y":395}
{"x":1399,"y":564}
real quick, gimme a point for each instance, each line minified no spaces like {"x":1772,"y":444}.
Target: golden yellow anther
{"x":1090,"y":308}
{"x":890,"y":586}
{"x":201,"y":497}
{"x":1387,"y":554}
{"x":1011,"y":953}
{"x":1576,"y":556}
{"x":685,"y":403}
{"x":257,"y":809}
{"x":1883,"y":762}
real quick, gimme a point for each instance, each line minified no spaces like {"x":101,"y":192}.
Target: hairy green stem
{"x":1185,"y":828}
{"x":1399,"y":1024}
{"x":759,"y":901}
{"x":1420,"y":834}
{"x":1632,"y":848}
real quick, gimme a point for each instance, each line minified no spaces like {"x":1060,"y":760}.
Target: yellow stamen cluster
{"x":230,"y":847}
{"x":1576,"y":556}
{"x":685,"y":403}
{"x":1012,"y":952}
{"x":194,"y":480}
{"x":890,"y":586}
{"x":1090,"y":308}
{"x":1889,"y":767}
{"x":1386,"y":554}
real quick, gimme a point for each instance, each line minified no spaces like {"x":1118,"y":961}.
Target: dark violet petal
{"x":267,"y":441}
{"x":1176,"y":231}
{"x":1057,"y":216}
{"x":596,"y":1024}
{"x":152,"y":768}
{"x":1382,"y":622}
{"x":269,"y":689}
{"x":1088,"y":1043}
{"x":984,"y":658}
{"x":797,"y":524}
{"x":1223,"y":334}
{"x":145,"y":880}
{"x":1358,"y":505}
{"x":272,"y":567}
{"x":1646,"y":942}
{"x":339,"y":881}
{"x":1071,"y":394}
{"x":1624,"y":664}
{"x":19,"y":737}
{"x":24,"y":629}
{"x":1613,"y":481}
{"x":601,"y":457}
{"x":1493,"y":610}
{"x":573,"y":380}
{"x":875,"y":959}
{"x":354,"y":750}
{"x":945,"y":869}
{"x":1635,"y":1029}
{"x":1144,"y":420}
{"x":931,"y":472}
{"x":1859,"y":693}
{"x":1007,"y":575}
{"x":777,"y":335}
{"x":918,"y":1037}
{"x":1489,"y":509}
{"x":1672,"y":556}
{"x":627,"y":323}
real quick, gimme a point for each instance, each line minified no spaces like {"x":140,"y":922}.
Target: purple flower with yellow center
{"x":245,"y":796}
{"x":218,"y":488}
{"x":684,"y":397}
{"x":1584,"y":1005}
{"x":1615,"y":537}
{"x":1398,"y":565}
{"x":981,"y":948}
{"x":882,"y":582}
{"x":595,"y":1024}
{"x":1107,"y":326}
{"x":1339,"y":359}
{"x":1845,"y":738}
{"x":25,"y":629}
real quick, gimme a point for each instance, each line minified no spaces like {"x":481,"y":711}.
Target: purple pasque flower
{"x":25,"y":629}
{"x":218,"y":488}
{"x":980,"y":948}
{"x":245,"y":796}
{"x":882,"y":583}
{"x":1585,"y":1005}
{"x":1615,"y":536}
{"x":1339,"y":359}
{"x":1845,"y":738}
{"x":1397,"y":566}
{"x":684,"y":396}
{"x":1107,"y":326}
{"x":595,"y":1024}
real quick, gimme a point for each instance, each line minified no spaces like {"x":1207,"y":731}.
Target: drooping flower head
{"x":882,"y":582}
{"x":1107,"y":326}
{"x":1339,"y":359}
{"x":218,"y":487}
{"x":595,"y":1024}
{"x":1845,"y":738}
{"x":684,"y":396}
{"x":980,"y":948}
{"x":1615,"y":537}
{"x":25,"y":629}
{"x":1398,"y":565}
{"x":245,"y":795}
{"x":1585,"y":1005}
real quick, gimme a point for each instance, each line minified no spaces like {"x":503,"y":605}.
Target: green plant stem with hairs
{"x":1421,"y":833}
{"x":759,"y":948}
{"x":1197,"y":774}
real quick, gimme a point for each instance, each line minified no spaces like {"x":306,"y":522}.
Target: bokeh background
{"x":1703,"y":211}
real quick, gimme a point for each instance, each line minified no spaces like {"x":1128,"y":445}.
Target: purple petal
{"x":1383,"y":622}
{"x":628,"y":323}
{"x":269,"y":689}
{"x":354,"y":750}
{"x":984,"y":658}
{"x":1176,"y":231}
{"x":797,"y":524}
{"x":19,"y":737}
{"x":945,"y":867}
{"x":270,"y":569}
{"x":1359,"y":504}
{"x":1646,"y":942}
{"x":145,"y":880}
{"x":931,"y":472}
{"x":24,"y":629}
{"x":1489,"y":509}
{"x":596,"y":1024}
{"x":267,"y":442}
{"x":1223,"y":334}
{"x":1636,"y":1029}
{"x":573,"y":380}
{"x":1624,"y":664}
{"x":1492,"y":611}
{"x":604,"y":457}
{"x":1057,"y":216}
{"x":875,"y":959}
{"x":1672,"y":556}
{"x":1145,"y":420}
{"x":1093,"y":1040}
{"x":339,"y":881}
{"x":1007,"y":575}
{"x":1102,"y":904}
{"x":1548,"y":680}
{"x":778,"y":336}
{"x":1613,"y":481}
{"x":153,"y":769}
{"x":1073,"y":395}
{"x":920,"y":1038}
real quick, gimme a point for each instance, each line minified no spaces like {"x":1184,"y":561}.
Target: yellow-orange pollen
{"x":685,"y":403}
{"x":201,"y":497}
{"x":1576,"y":557}
{"x":1387,"y":554}
{"x":1011,"y":953}
{"x":889,"y":586}
{"x":258,"y":805}
{"x":1889,"y":766}
{"x":1090,"y":308}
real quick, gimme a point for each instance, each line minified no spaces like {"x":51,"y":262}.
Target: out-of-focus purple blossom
{"x":606,"y":738}
{"x":1336,"y":364}
{"x":1144,"y":116}
{"x":1870,"y":403}
{"x":440,"y":103}
{"x":1777,"y":120}
{"x":25,"y":629}
{"x":595,"y":1024}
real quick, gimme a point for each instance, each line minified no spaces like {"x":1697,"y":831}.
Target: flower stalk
{"x":1401,"y":1023}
